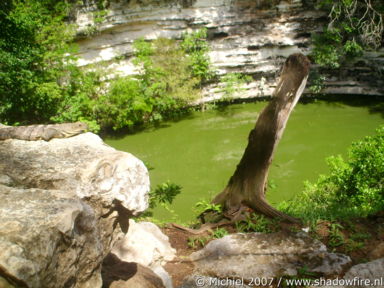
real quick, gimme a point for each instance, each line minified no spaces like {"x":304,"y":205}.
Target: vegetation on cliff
{"x":40,"y":82}
{"x":354,"y":26}
{"x":171,"y":74}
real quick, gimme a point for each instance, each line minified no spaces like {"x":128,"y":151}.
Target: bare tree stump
{"x":248,"y":184}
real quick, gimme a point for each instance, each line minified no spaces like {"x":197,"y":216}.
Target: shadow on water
{"x":375,"y":104}
{"x":226,"y":109}
{"x":147,"y":128}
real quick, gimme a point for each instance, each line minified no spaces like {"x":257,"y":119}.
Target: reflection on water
{"x":201,"y":152}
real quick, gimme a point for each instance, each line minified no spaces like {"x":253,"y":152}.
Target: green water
{"x":201,"y":152}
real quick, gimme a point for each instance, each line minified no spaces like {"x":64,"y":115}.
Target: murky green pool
{"x":201,"y":152}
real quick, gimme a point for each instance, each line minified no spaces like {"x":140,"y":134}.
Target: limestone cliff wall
{"x":248,"y":36}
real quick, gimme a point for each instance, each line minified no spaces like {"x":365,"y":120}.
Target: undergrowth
{"x":354,"y":186}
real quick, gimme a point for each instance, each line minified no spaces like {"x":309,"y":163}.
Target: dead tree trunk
{"x":247,"y":186}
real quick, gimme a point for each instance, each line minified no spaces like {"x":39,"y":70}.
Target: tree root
{"x":264,"y":208}
{"x":207,"y":227}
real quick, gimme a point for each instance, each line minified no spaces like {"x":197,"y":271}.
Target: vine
{"x":354,"y":26}
{"x":358,"y":16}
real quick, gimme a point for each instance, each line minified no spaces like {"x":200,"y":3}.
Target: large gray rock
{"x":245,"y":256}
{"x":370,"y":274}
{"x":63,"y":205}
{"x":83,"y":166}
{"x":146,"y":245}
{"x":251,"y":37}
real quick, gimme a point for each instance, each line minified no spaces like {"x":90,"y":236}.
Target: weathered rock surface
{"x":363,"y":275}
{"x":120,"y":274}
{"x":372,"y":271}
{"x":146,"y":245}
{"x":245,"y":256}
{"x":64,"y":203}
{"x":82,"y":165}
{"x":252,"y":37}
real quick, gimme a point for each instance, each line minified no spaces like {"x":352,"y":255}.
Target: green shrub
{"x":196,"y":48}
{"x":326,"y":50}
{"x":232,"y":83}
{"x":164,"y":193}
{"x":164,"y":88}
{"x":354,"y":187}
{"x":39,"y":81}
{"x":257,"y":223}
{"x":124,"y":104}
{"x":33,"y":60}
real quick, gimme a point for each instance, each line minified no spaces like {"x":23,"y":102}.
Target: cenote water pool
{"x":201,"y":151}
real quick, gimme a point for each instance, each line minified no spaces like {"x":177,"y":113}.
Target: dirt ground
{"x":362,"y":239}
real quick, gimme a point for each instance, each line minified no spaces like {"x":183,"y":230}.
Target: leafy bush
{"x":205,"y":206}
{"x":124,"y":104}
{"x":257,"y":223}
{"x":196,"y":47}
{"x":168,"y":82}
{"x":39,"y":81}
{"x":32,"y":60}
{"x":232,"y":83}
{"x":164,"y":193}
{"x":326,"y":50}
{"x":354,"y":187}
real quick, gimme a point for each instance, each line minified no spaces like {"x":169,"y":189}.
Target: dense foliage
{"x":39,"y":81}
{"x":353,"y":25}
{"x":38,"y":78}
{"x":354,"y":187}
{"x":170,"y":77}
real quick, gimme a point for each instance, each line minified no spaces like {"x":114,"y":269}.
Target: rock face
{"x":64,"y":203}
{"x":245,"y":256}
{"x":146,"y":245}
{"x":252,"y":37}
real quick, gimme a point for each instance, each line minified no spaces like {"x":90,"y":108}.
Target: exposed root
{"x":208,"y":227}
{"x":266,"y":209}
{"x":239,"y":215}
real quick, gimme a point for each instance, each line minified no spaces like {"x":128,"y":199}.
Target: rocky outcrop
{"x":64,"y":204}
{"x":42,"y":132}
{"x":251,"y":37}
{"x":268,"y":256}
{"x":146,"y":245}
